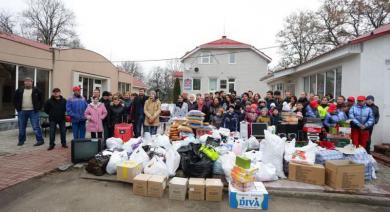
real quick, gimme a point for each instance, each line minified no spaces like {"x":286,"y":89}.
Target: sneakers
{"x":39,"y":143}
{"x":50,"y":148}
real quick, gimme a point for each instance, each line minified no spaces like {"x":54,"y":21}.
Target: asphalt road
{"x":66,"y":191}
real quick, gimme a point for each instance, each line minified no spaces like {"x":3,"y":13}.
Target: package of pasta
{"x":195,"y":113}
{"x":185,"y":129}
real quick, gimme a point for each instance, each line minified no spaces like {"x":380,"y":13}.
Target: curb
{"x":347,"y":198}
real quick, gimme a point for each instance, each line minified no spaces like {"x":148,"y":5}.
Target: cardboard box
{"x":196,"y":188}
{"x":344,"y":174}
{"x":127,"y":170}
{"x":257,"y":198}
{"x":140,"y":184}
{"x":214,"y":190}
{"x":178,"y":188}
{"x":312,"y":174}
{"x":156,"y":186}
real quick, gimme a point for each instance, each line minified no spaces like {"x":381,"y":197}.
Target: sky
{"x":156,"y":29}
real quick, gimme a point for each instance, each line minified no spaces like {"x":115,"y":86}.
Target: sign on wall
{"x":187,"y":84}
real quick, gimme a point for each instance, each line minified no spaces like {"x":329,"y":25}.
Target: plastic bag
{"x":266,"y":172}
{"x":172,"y":161}
{"x":240,"y":146}
{"x":114,"y":143}
{"x":254,"y":156}
{"x":228,"y":162}
{"x":272,"y":151}
{"x":253,"y":143}
{"x":115,"y":159}
{"x":203,"y":138}
{"x":224,"y":131}
{"x":156,"y":166}
{"x":98,"y":164}
{"x":194,"y":163}
{"x":289,"y":149}
{"x":163,"y":141}
{"x":128,"y":147}
{"x":305,"y":155}
{"x":139,"y":155}
{"x":147,"y":138}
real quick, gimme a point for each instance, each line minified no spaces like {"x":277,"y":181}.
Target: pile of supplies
{"x":195,"y":119}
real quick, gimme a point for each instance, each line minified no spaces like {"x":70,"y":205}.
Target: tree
{"x":133,"y":68}
{"x":175,"y":65}
{"x":49,"y":22}
{"x":7,"y":22}
{"x":176,"y":90}
{"x":161,"y":80}
{"x":377,"y":12}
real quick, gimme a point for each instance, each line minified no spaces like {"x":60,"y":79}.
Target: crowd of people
{"x":99,"y":114}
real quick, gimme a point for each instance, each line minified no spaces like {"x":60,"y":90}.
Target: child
{"x":264,"y":117}
{"x":217,"y":120}
{"x":95,"y":113}
{"x":333,"y":117}
{"x":275,"y":118}
{"x":272,"y":107}
{"x":251,"y":114}
{"x":230,"y":120}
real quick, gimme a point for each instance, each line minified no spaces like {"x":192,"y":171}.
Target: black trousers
{"x":368,"y":147}
{"x":96,"y":134}
{"x":61,"y":125}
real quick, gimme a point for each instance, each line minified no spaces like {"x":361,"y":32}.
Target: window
{"x":25,"y":72}
{"x":306,"y":84}
{"x":313,"y":83}
{"x":231,"y":85}
{"x":7,"y":90}
{"x":222,"y":84}
{"x":338,"y":81}
{"x":196,"y":84}
{"x":232,"y":58}
{"x":320,"y":84}
{"x":123,"y":87}
{"x":330,"y":82}
{"x":205,"y":58}
{"x":279,"y":87}
{"x":43,"y":82}
{"x":212,"y":84}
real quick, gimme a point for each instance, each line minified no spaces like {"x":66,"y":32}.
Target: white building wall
{"x":247,"y":70}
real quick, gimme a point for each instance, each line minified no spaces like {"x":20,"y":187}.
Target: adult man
{"x":95,"y":93}
{"x":269,"y":98}
{"x":375,"y":110}
{"x":138,"y":112}
{"x":184,"y":95}
{"x":106,"y":101}
{"x":55,"y":107}
{"x":28,"y":102}
{"x":234,"y":94}
{"x":287,"y":96}
{"x":75,"y":108}
{"x":278,"y":100}
{"x":362,"y":119}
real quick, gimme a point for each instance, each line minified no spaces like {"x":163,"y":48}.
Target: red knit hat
{"x":314,"y":104}
{"x":253,"y":106}
{"x":332,"y":108}
{"x":351,"y":99}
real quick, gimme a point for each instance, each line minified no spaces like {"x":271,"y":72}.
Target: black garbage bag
{"x":195,"y":163}
{"x":97,"y":165}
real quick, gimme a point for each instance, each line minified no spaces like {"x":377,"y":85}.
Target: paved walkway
{"x":20,"y":163}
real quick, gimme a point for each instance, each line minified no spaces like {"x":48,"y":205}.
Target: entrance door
{"x":291,"y":88}
{"x":386,"y":107}
{"x":88,"y":84}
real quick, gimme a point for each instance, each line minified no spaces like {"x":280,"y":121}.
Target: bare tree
{"x":161,"y":80}
{"x":175,"y":65}
{"x":377,"y":12}
{"x":49,"y":22}
{"x":7,"y":22}
{"x":133,"y":68}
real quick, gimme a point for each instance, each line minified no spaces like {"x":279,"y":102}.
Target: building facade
{"x":361,"y":67}
{"x":226,"y":65}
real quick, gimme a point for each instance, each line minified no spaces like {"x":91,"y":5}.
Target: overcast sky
{"x":155,"y":29}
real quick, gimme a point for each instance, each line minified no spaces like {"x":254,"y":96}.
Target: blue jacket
{"x":75,"y":108}
{"x":361,"y":115}
{"x":310,"y":112}
{"x":332,"y":119}
{"x":231,"y":121}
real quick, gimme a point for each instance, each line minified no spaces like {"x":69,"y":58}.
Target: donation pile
{"x":195,"y":119}
{"x":242,"y":175}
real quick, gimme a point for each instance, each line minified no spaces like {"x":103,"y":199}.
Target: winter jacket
{"x":75,"y":108}
{"x":375,"y":111}
{"x":264,"y":119}
{"x":192,"y":106}
{"x":36,"y":95}
{"x":95,"y":115}
{"x":181,"y":111}
{"x":275,"y":120}
{"x":152,"y":110}
{"x":230,"y":121}
{"x":361,"y":115}
{"x":205,"y":110}
{"x":310,"y":112}
{"x":117,"y":114}
{"x":217,"y":121}
{"x":107,"y":104}
{"x":331,"y":119}
{"x":322,"y":111}
{"x":138,"y":106}
{"x":56,"y":109}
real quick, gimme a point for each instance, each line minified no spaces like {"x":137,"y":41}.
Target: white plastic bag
{"x":253,"y":143}
{"x":115,"y":159}
{"x":224,"y":131}
{"x":289,"y":149}
{"x":240,"y":146}
{"x":228,"y":161}
{"x":254,"y":156}
{"x":203,"y":138}
{"x":305,"y":155}
{"x":162,"y":141}
{"x":172,"y":161}
{"x":156,"y":166}
{"x":266,"y":172}
{"x":273,"y":149}
{"x":139,"y":155}
{"x":128,"y":147}
{"x":113,"y":143}
{"x":147,"y":138}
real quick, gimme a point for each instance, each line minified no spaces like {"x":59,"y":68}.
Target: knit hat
{"x":314,"y":104}
{"x":253,"y":106}
{"x":332,"y":108}
{"x":351,"y":99}
{"x":76,"y":88}
{"x":272,"y":105}
{"x":370,"y":97}
{"x":361,"y":98}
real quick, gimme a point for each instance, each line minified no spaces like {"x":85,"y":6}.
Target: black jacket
{"x":138,"y":106}
{"x":37,"y":99}
{"x":56,"y":109}
{"x":375,"y":111}
{"x":107,"y":105}
{"x":117,"y":114}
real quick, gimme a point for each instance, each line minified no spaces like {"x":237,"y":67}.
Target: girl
{"x":152,"y":110}
{"x":264,"y":117}
{"x":95,"y":113}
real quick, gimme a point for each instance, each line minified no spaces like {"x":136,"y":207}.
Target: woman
{"x":293,"y":102}
{"x":256,"y":99}
{"x":181,"y":108}
{"x":152,"y":110}
{"x":203,"y":107}
{"x":192,"y":104}
{"x":95,"y":113}
{"x":214,"y":107}
{"x":117,"y":114}
{"x":228,"y":101}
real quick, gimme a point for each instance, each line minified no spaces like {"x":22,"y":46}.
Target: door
{"x":385,"y":116}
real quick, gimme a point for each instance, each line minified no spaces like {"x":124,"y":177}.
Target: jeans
{"x":23,"y":117}
{"x":151,"y":129}
{"x":96,"y":134}
{"x":139,"y":122}
{"x":78,"y":129}
{"x":61,"y":125}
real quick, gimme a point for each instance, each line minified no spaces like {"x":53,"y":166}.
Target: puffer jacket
{"x":152,"y":110}
{"x":361,"y":115}
{"x":75,"y":108}
{"x":375,"y":111}
{"x":332,"y":119}
{"x":181,"y":112}
{"x":230,"y":121}
{"x":310,"y":112}
{"x":95,"y":115}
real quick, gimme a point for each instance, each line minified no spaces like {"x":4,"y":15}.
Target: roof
{"x":226,"y":43}
{"x":178,"y":74}
{"x":138,"y":83}
{"x":25,"y":41}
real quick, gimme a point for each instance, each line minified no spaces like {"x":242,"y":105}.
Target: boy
{"x":230,"y":119}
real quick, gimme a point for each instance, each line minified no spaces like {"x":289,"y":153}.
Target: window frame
{"x":216,"y":84}
{"x":220,"y":84}
{"x":193,"y":84}
{"x":230,"y":58}
{"x":203,"y":56}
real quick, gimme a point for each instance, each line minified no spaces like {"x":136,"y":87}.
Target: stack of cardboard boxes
{"x":149,"y":185}
{"x":242,"y":176}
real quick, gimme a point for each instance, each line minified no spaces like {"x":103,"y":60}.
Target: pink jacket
{"x":95,"y":115}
